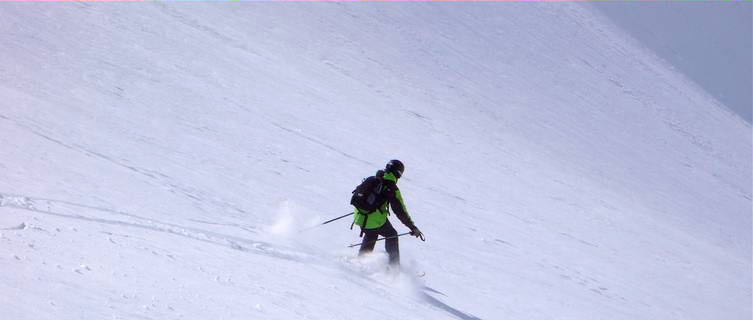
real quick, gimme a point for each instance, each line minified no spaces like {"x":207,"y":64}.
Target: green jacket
{"x":394,"y":200}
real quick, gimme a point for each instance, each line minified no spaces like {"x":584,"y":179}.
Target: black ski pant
{"x":387,"y":231}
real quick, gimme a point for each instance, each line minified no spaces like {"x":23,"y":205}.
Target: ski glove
{"x":417,"y":233}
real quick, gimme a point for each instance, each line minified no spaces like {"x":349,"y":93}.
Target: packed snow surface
{"x":162,"y":160}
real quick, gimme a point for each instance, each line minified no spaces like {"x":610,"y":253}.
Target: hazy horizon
{"x":691,"y":36}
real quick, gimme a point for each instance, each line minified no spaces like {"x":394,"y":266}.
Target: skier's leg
{"x":368,"y":242}
{"x":391,"y":244}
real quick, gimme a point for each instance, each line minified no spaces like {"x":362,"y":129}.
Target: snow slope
{"x":159,"y":159}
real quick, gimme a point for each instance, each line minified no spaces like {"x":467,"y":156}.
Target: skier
{"x":375,"y":223}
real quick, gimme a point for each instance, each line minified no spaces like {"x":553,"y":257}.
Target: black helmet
{"x":395,"y":167}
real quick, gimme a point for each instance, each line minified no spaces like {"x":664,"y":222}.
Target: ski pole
{"x":380,"y":239}
{"x":340,"y":217}
{"x":326,"y":222}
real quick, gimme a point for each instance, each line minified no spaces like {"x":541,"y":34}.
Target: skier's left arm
{"x":398,"y":207}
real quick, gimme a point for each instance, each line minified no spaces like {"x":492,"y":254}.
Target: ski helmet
{"x":395,"y":167}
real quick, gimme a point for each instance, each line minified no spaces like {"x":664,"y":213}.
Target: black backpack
{"x":369,"y":195}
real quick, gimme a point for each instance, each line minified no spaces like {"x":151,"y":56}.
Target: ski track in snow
{"x":75,"y":211}
{"x":58,"y":207}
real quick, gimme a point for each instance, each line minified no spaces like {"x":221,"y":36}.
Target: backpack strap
{"x":363,"y":228}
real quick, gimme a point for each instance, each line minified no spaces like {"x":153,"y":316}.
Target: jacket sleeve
{"x":398,"y":207}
